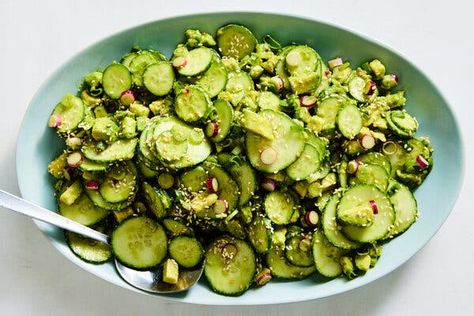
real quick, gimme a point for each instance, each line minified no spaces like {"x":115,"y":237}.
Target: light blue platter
{"x":38,"y":144}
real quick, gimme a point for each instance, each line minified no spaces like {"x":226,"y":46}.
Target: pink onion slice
{"x":352,"y":166}
{"x":372,"y":88}
{"x":127,"y":97}
{"x":308,"y":101}
{"x":180,"y":62}
{"x":212,"y":129}
{"x":212,"y":184}
{"x":311,"y":218}
{"x":422,"y":162}
{"x":374,"y":206}
{"x":55,"y":120}
{"x":269,"y":184}
{"x":74,"y":159}
{"x":334,"y":62}
{"x":268,"y":156}
{"x":92,"y":185}
{"x":367,"y":141}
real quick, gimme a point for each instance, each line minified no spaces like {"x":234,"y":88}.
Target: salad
{"x":252,"y":158}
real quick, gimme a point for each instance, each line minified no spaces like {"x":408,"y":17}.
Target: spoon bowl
{"x":150,"y":281}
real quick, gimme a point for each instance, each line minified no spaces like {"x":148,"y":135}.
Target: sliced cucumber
{"x":327,"y":110}
{"x":288,"y":143}
{"x":194,"y":180}
{"x":176,"y":227}
{"x":361,"y":196}
{"x":349,"y":121}
{"x":214,"y":79}
{"x":93,"y":166}
{"x":357,"y":88}
{"x":158,"y":78}
{"x":368,"y":173}
{"x":192,"y":104}
{"x":260,"y":234}
{"x":406,"y":210}
{"x":230,"y":266}
{"x":376,"y":158}
{"x":307,"y":163}
{"x":140,"y":62}
{"x":154,"y":198}
{"x":298,"y":250}
{"x":235,"y":41}
{"x":119,"y":183}
{"x":139,"y":243}
{"x":228,"y":190}
{"x":332,"y":229}
{"x":99,"y":201}
{"x":83,"y":211}
{"x":122,"y":149}
{"x":197,"y":61}
{"x":326,"y":256}
{"x":401,"y":123}
{"x":279,"y":207}
{"x":225,"y":119}
{"x":282,"y":269}
{"x":268,"y":101}
{"x":301,"y":59}
{"x":88,"y":249}
{"x":116,"y":80}
{"x":246,"y":179}
{"x":187,"y":251}
{"x":72,"y":111}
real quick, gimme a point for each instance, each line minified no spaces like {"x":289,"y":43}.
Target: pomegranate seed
{"x":374,"y":206}
{"x":212,"y":184}
{"x":268,"y":156}
{"x":422,"y":162}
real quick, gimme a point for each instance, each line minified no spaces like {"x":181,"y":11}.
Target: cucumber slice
{"x":307,"y":163}
{"x":192,"y":104}
{"x":406,"y":210}
{"x":279,"y":207}
{"x":301,"y":59}
{"x":360,"y":196}
{"x":140,"y":62}
{"x":246,"y":179}
{"x":225,"y":118}
{"x":357,"y":87}
{"x":214,"y":79}
{"x":187,"y":251}
{"x":169,"y":147}
{"x":326,"y":256}
{"x":371,"y":174}
{"x":228,"y":190}
{"x":298,"y":251}
{"x":235,"y":41}
{"x":230,"y":266}
{"x":99,"y":201}
{"x":72,"y":111}
{"x":122,"y":149}
{"x":116,"y":80}
{"x":332,"y":229}
{"x":282,"y":269}
{"x":119,"y":183}
{"x":268,"y":101}
{"x":83,"y":211}
{"x":139,"y":243}
{"x":158,"y":78}
{"x":288,"y":143}
{"x":260,"y":234}
{"x":401,"y":123}
{"x":197,"y":60}
{"x":376,"y":158}
{"x":154,"y":198}
{"x":327,"y":110}
{"x":194,"y":180}
{"x":93,"y":166}
{"x":176,"y":227}
{"x":88,"y":249}
{"x":349,"y":121}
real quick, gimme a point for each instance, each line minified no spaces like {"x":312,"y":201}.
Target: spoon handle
{"x":22,"y":206}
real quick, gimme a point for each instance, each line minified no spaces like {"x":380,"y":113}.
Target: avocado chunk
{"x":357,"y":216}
{"x":71,"y":194}
{"x":257,"y":124}
{"x":105,"y":128}
{"x":170,"y":271}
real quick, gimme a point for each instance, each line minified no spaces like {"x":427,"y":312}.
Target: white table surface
{"x":38,"y":36}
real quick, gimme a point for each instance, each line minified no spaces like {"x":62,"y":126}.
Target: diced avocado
{"x":377,"y":68}
{"x":170,"y":271}
{"x":56,"y":167}
{"x":257,"y":124}
{"x":142,"y":122}
{"x":200,"y":202}
{"x":128,"y":127}
{"x":347,"y":266}
{"x":121,"y":215}
{"x":197,"y":38}
{"x":161,"y":107}
{"x":105,"y":128}
{"x":358,"y":216}
{"x":362,"y":262}
{"x":100,"y":111}
{"x":396,"y":99}
{"x":304,"y":82}
{"x":71,"y":194}
{"x":139,"y":109}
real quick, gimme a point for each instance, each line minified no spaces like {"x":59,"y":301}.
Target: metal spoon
{"x":150,"y":281}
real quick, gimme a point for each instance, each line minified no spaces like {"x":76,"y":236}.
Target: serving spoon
{"x":149,"y":281}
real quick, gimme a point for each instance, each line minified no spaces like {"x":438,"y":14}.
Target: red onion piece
{"x":127,"y":97}
{"x":352,"y":166}
{"x":367,"y":141}
{"x":55,"y":120}
{"x":212,"y":184}
{"x":334,"y":62}
{"x":180,"y":62}
{"x":395,"y":78}
{"x":372,"y":88}
{"x":212,"y":129}
{"x":268,"y":156}
{"x":74,"y":159}
{"x":308,"y":101}
{"x":269,"y":184}
{"x":311,"y":218}
{"x":374,"y":206}
{"x":92,"y":185}
{"x":280,"y":83}
{"x":221,"y":206}
{"x":73,"y":142}
{"x":422,"y":162}
{"x":263,"y":278}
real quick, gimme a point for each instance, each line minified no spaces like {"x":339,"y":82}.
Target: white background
{"x":38,"y":36}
